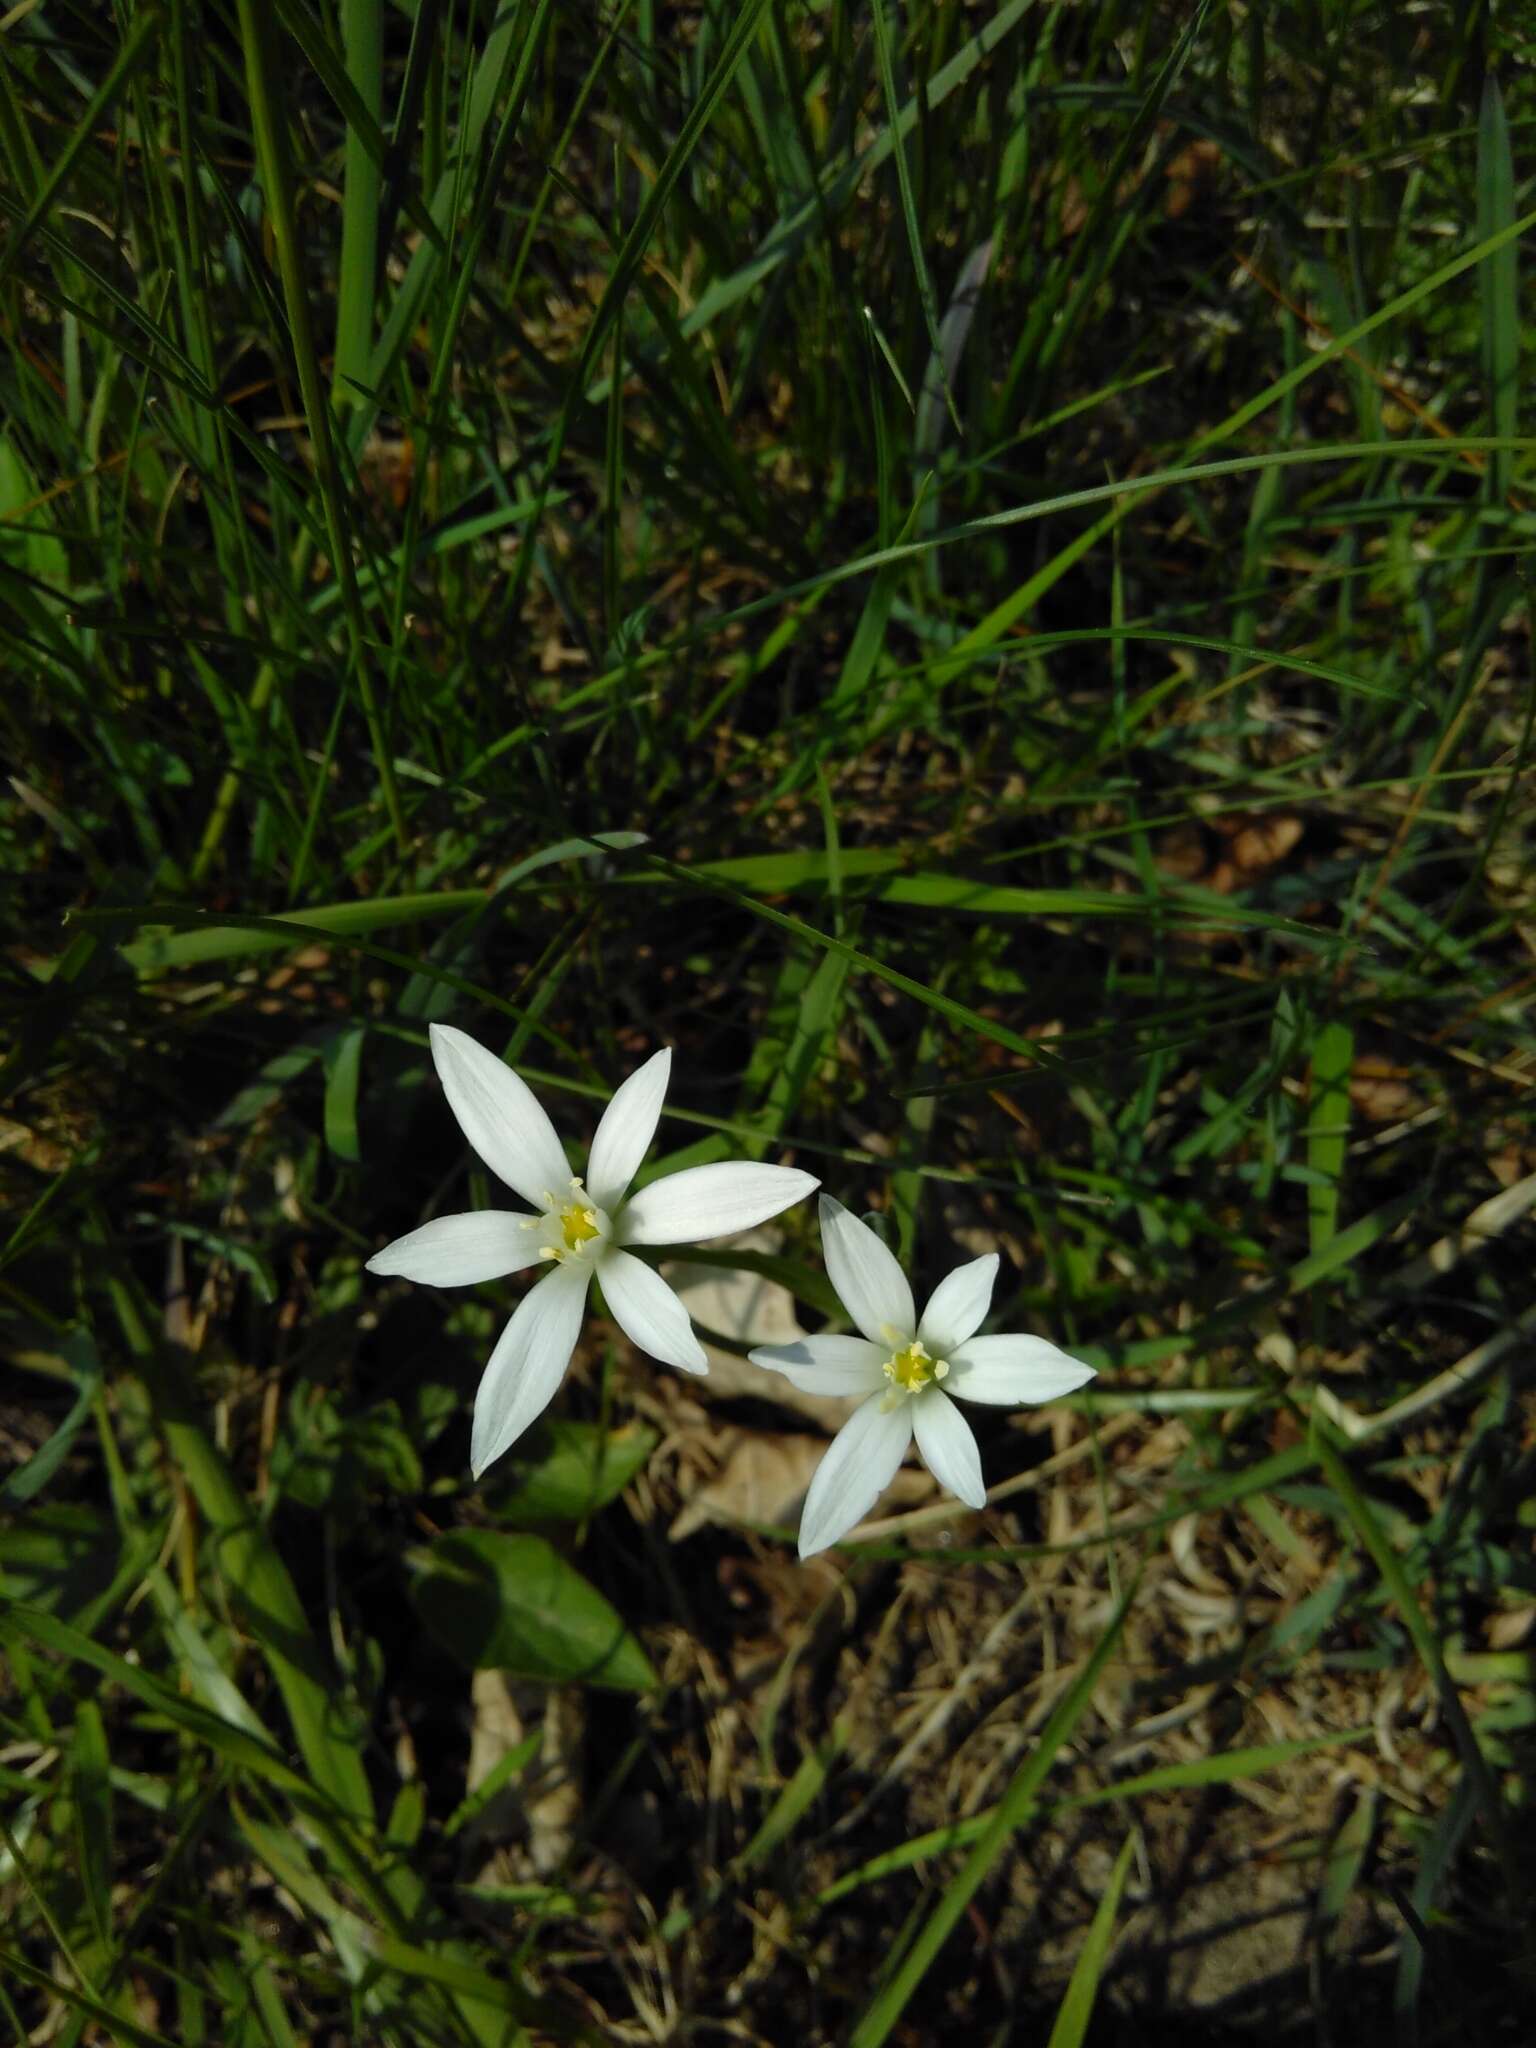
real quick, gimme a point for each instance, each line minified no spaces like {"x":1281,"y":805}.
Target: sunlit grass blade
{"x":1076,"y":2009}
{"x":1224,"y":1768}
{"x":885,"y":2009}
{"x":269,"y":118}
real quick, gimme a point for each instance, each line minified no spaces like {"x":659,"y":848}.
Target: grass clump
{"x":966,"y":570}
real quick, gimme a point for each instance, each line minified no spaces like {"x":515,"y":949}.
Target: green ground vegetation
{"x":967,"y":567}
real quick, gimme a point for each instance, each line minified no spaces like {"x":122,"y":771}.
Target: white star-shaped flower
{"x":906,"y":1369}
{"x":579,"y":1230}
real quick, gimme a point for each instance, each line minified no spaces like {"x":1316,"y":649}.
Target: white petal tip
{"x":479,"y":1464}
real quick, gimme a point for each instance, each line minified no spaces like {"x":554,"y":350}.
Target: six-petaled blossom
{"x":579,"y":1227}
{"x":906,"y":1369}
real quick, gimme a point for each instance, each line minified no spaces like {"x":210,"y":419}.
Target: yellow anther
{"x":570,"y":1223}
{"x":577,"y":1224}
{"x":912,"y":1368}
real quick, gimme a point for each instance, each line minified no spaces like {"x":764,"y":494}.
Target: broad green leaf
{"x":512,"y":1603}
{"x":343,"y":1063}
{"x":574,"y":1468}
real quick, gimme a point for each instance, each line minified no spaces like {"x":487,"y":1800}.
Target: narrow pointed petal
{"x":827,"y":1365}
{"x":528,"y":1363}
{"x":948,"y":1448}
{"x":869,"y":1283}
{"x":648,"y":1312}
{"x":710,"y":1201}
{"x":456,"y":1251}
{"x":499,"y":1116}
{"x":860,"y":1464}
{"x":628,"y":1125}
{"x":1004,"y":1371}
{"x":958,"y":1306}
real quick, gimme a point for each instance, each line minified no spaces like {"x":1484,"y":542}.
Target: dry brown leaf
{"x":1379,"y":1090}
{"x":762,"y":1479}
{"x":1188,"y":171}
{"x":750,"y":1310}
{"x":1265,"y":843}
{"x":38,"y":1152}
{"x":1507,"y":1630}
{"x":1181,"y":852}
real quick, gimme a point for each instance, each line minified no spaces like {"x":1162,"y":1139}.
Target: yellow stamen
{"x":577,"y":1224}
{"x":570,"y":1222}
{"x":910,"y":1369}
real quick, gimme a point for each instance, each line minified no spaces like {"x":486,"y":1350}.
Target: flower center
{"x":577,"y":1224}
{"x":569,"y":1225}
{"x":910,"y":1369}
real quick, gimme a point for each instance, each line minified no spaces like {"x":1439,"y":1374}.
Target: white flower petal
{"x":528,"y":1363}
{"x":628,"y":1125}
{"x":648,"y":1312}
{"x":860,"y":1464}
{"x":869,"y":1283}
{"x":957,"y":1307}
{"x":947,"y":1446}
{"x":456,"y":1251}
{"x":1006,"y":1370}
{"x":827,"y":1365}
{"x":499,"y":1116}
{"x":710,"y":1201}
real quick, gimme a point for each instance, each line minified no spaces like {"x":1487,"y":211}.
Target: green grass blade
{"x":255,"y":1573}
{"x":927,"y":300}
{"x":889,"y":2002}
{"x":268,"y":115}
{"x":1076,"y":2008}
{"x":90,"y":1784}
{"x":134,"y":51}
{"x":363,"y":29}
{"x":1333,"y":1055}
{"x":1425,"y":1641}
{"x":1227,"y":1767}
{"x":1498,"y":279}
